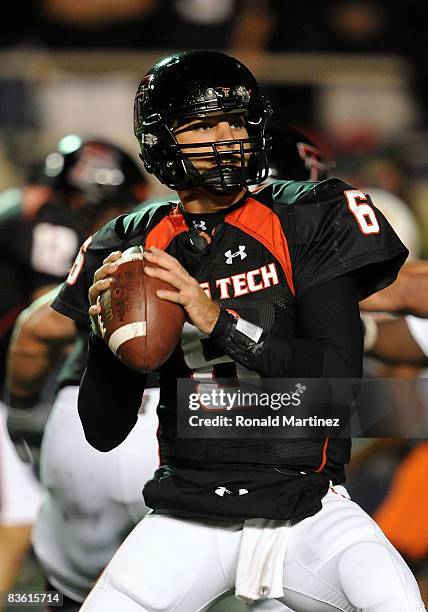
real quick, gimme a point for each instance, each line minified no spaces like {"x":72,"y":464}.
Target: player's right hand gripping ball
{"x":141,"y":329}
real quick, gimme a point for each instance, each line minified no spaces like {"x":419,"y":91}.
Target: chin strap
{"x":220,"y":181}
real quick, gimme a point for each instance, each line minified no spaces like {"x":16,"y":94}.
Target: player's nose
{"x":224,"y":132}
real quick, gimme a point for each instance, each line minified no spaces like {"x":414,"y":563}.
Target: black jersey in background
{"x":36,"y":251}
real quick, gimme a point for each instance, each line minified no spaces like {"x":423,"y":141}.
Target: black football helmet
{"x":194,"y":84}
{"x":103,"y":172}
{"x":293,"y":156}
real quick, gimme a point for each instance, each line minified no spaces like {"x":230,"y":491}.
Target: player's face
{"x":217,"y":128}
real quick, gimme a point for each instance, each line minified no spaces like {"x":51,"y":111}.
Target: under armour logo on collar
{"x":199,"y":225}
{"x":240,"y":253}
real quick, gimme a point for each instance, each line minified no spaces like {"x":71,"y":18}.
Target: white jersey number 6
{"x":362,"y":211}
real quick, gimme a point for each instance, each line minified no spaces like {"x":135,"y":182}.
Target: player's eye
{"x":237,"y":124}
{"x":202,"y":127}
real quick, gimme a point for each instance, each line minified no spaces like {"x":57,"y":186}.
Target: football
{"x":141,"y":329}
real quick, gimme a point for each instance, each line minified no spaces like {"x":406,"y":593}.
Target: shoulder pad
{"x":142,"y":216}
{"x":308,"y":192}
{"x":288,"y":192}
{"x":125,"y":227}
{"x":325,"y":191}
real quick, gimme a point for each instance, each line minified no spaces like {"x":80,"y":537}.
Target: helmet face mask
{"x":198,"y":85}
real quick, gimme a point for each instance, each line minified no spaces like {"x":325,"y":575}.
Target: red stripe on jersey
{"x":167,"y":229}
{"x":233,"y":312}
{"x":260,"y":222}
{"x":324,"y":457}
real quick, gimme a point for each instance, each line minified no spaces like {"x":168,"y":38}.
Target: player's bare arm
{"x":394,"y":342}
{"x":40,"y":337}
{"x":408,"y":294}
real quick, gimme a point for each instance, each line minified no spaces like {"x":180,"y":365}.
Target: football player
{"x":272,"y":290}
{"x":41,"y":227}
{"x":85,"y":176}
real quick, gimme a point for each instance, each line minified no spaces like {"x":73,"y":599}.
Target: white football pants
{"x":338,"y":559}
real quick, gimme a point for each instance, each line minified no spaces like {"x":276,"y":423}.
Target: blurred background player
{"x":20,"y":494}
{"x":39,"y":235}
{"x":83,"y":175}
{"x":88,"y":506}
{"x":41,"y":227}
{"x":402,"y":512}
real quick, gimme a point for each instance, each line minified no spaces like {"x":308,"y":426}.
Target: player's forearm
{"x":275,"y":357}
{"x":329,"y":343}
{"x":390,"y":299}
{"x":393,"y":342}
{"x":307,"y":359}
{"x":109,"y":397}
{"x":28,"y":368}
{"x":39,"y":340}
{"x":408,"y":294}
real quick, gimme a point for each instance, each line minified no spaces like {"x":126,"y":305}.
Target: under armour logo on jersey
{"x":240,"y":253}
{"x":221,"y":491}
{"x":199,"y":225}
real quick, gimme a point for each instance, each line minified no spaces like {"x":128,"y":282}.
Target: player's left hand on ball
{"x":101,"y":282}
{"x":201,"y":310}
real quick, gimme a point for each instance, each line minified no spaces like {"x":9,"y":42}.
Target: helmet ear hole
{"x":196,"y":84}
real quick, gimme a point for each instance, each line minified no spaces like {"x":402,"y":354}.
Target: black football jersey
{"x":266,"y":251}
{"x":35,"y":250}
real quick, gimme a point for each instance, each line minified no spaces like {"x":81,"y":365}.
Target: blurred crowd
{"x":330,"y":26}
{"x":386,"y":477}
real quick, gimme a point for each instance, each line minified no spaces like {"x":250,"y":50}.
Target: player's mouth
{"x":224,"y":167}
{"x":229,"y":167}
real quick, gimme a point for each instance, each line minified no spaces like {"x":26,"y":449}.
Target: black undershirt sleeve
{"x":328,"y":341}
{"x":109,"y":397}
